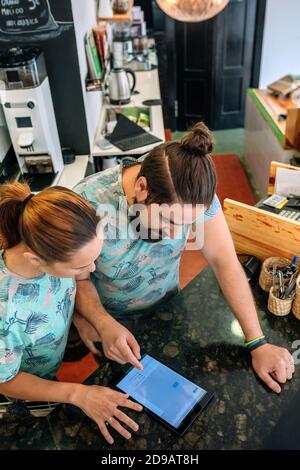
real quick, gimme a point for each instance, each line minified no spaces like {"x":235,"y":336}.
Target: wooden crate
{"x":261,"y":233}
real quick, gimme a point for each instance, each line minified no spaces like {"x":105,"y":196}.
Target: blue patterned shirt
{"x":132,"y":274}
{"x":35,"y":316}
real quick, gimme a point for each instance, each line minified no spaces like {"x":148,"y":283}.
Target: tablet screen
{"x":163,"y":391}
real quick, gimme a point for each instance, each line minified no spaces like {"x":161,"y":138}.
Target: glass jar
{"x":121,"y":6}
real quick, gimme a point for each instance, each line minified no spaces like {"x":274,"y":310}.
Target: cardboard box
{"x":292,"y":131}
{"x":284,"y":86}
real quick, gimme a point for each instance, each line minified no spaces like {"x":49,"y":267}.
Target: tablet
{"x":167,"y":395}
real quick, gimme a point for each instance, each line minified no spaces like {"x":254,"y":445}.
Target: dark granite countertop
{"x":195,"y":333}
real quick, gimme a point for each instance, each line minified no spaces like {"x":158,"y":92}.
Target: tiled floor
{"x":228,"y":159}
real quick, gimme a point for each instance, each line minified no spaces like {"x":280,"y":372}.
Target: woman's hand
{"x":102,"y":405}
{"x":87,"y":333}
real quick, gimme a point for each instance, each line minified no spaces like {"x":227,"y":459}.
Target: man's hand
{"x":273,"y":364}
{"x":87,"y":333}
{"x":118,"y":343}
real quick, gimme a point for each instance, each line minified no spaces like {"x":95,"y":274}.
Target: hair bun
{"x":199,"y":140}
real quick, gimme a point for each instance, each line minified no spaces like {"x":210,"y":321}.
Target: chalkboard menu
{"x":29,"y":18}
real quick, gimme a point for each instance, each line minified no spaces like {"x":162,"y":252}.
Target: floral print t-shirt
{"x":35,"y":317}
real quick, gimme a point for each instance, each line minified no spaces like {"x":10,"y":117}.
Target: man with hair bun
{"x":174,"y":187}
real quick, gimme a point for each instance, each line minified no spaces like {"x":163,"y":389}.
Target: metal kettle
{"x":119,"y":86}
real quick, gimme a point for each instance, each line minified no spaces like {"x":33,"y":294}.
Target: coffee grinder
{"x":28,"y":108}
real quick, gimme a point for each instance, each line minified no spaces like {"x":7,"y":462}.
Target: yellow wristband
{"x":253,"y":340}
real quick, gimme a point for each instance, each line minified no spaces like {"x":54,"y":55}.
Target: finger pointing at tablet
{"x":128,"y":353}
{"x":119,"y":344}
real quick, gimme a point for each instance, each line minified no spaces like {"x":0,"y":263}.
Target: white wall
{"x":281,"y":41}
{"x":84,"y":15}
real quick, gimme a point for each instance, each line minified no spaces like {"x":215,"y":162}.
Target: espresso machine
{"x":28,"y":109}
{"x":9,"y":168}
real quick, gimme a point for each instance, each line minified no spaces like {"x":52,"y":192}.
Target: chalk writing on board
{"x":28,"y":20}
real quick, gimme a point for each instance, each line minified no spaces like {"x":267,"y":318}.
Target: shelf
{"x":120,"y":18}
{"x":147,"y":83}
{"x":74,"y":172}
{"x":101,"y":82}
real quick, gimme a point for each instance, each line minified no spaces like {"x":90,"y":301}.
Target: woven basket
{"x":278,"y":306}
{"x":265,"y":277}
{"x":296,"y":303}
